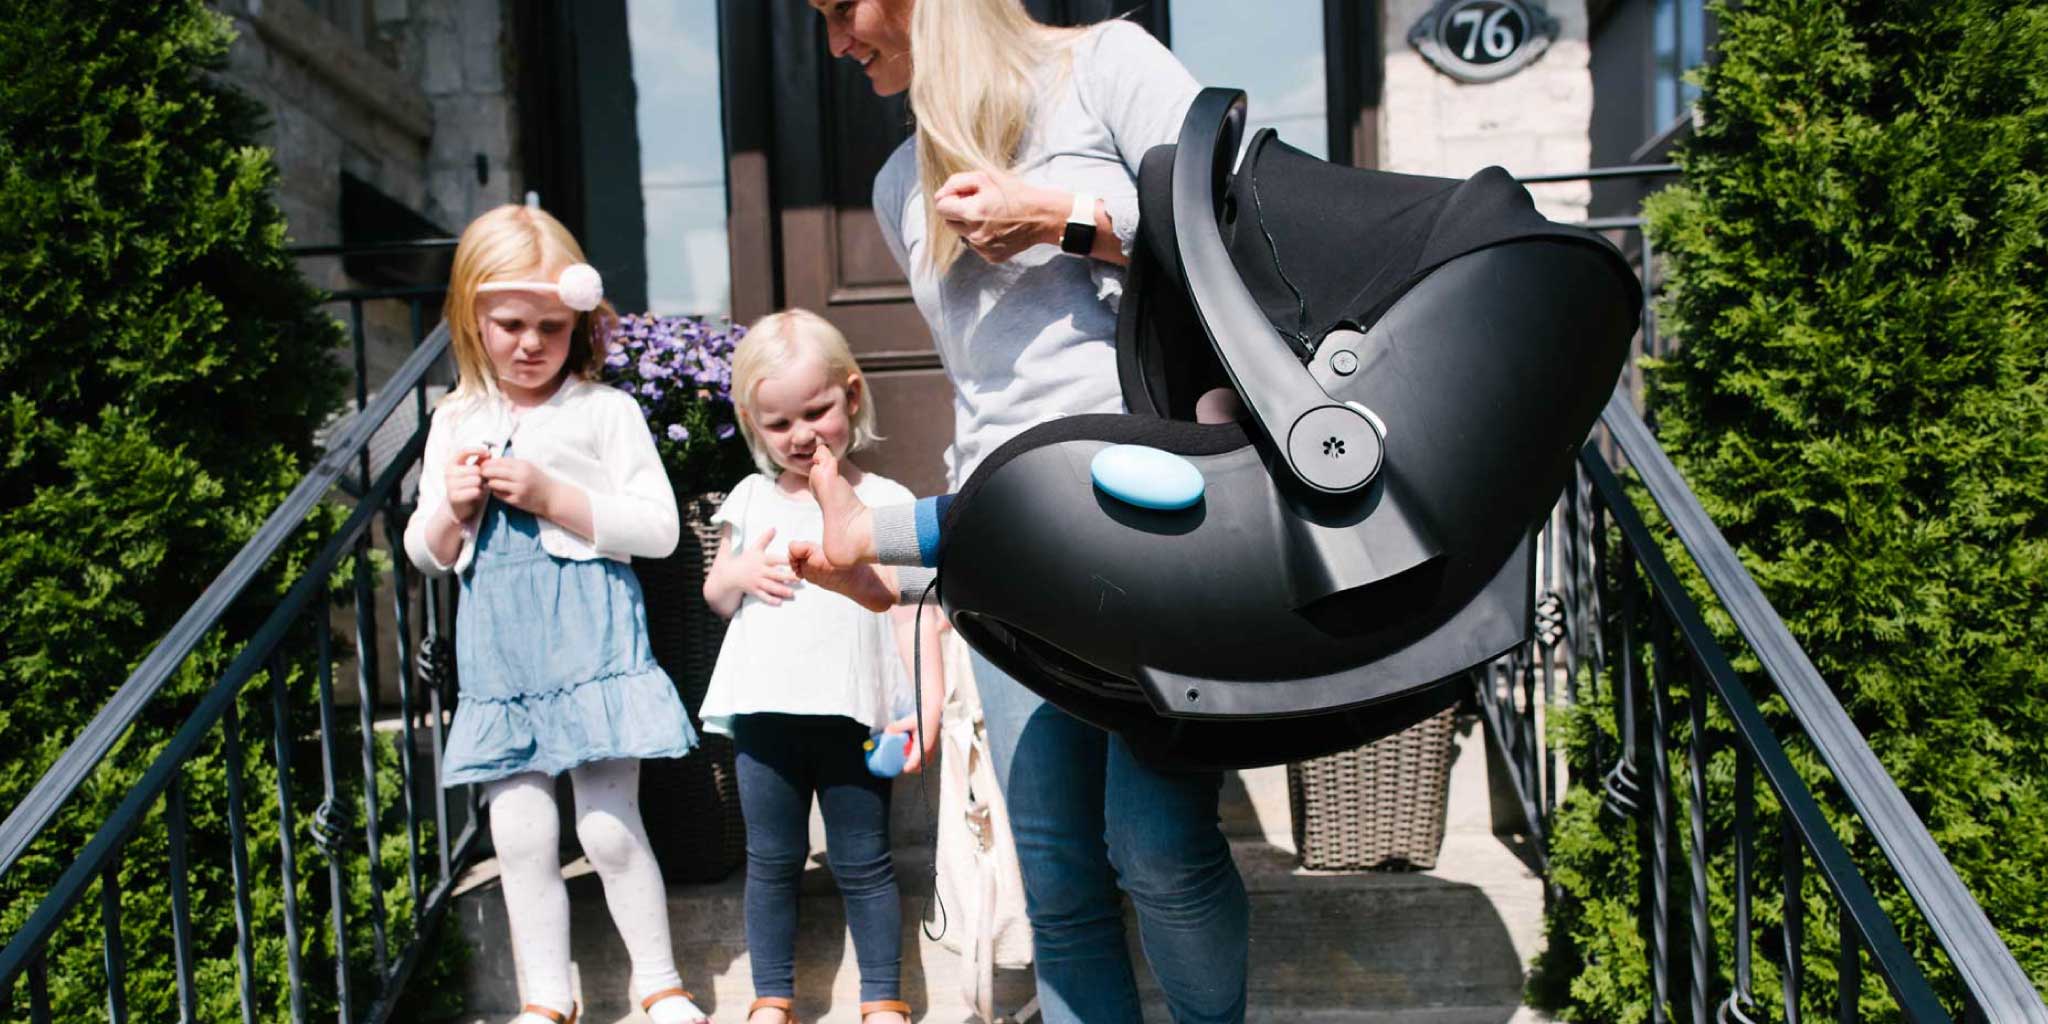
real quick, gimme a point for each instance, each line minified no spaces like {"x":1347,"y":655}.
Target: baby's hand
{"x":761,"y":574}
{"x":465,"y":483}
{"x":519,"y":483}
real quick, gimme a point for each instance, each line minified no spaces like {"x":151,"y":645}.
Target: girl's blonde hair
{"x":774,"y":343}
{"x":973,"y":81}
{"x":515,"y":243}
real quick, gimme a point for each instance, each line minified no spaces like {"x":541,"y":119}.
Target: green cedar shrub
{"x":1857,"y":273}
{"x":163,"y":366}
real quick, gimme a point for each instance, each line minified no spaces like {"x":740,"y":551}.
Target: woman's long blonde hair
{"x":973,"y":82}
{"x":515,"y":243}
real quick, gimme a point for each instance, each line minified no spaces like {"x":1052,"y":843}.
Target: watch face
{"x":1078,"y":238}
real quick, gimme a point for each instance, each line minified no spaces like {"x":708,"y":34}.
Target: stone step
{"x":1447,"y":946}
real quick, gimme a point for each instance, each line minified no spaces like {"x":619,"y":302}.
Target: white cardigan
{"x":587,"y":435}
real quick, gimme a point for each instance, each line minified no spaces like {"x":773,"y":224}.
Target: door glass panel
{"x":682,"y":154}
{"x":1273,"y":51}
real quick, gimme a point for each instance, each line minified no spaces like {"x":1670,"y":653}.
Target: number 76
{"x":1499,"y":39}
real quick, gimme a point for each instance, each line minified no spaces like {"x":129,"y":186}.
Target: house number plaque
{"x":1483,"y":40}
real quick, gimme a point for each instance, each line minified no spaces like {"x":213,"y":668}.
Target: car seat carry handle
{"x":1330,"y":446}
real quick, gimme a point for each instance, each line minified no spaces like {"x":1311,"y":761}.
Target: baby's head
{"x":795,"y":386}
{"x":523,"y":309}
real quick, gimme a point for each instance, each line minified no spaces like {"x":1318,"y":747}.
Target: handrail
{"x":1908,"y":982}
{"x":405,"y":245}
{"x":77,"y":762}
{"x":1602,"y":173}
{"x":107,"y":841}
{"x":1993,"y":975}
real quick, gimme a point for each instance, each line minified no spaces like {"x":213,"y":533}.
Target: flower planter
{"x":692,"y":804}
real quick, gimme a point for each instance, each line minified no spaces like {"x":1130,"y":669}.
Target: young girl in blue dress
{"x":806,"y":675}
{"x":539,"y":486}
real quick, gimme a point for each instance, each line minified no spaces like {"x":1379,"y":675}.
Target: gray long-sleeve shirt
{"x":1034,"y":338}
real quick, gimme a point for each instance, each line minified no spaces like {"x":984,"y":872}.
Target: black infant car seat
{"x":1421,"y":359}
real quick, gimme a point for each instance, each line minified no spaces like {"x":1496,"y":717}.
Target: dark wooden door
{"x":804,"y":137}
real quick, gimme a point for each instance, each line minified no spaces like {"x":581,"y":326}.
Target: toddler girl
{"x":538,"y":487}
{"x":805,"y":675}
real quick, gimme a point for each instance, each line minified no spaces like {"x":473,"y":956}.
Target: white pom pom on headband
{"x":578,"y":285}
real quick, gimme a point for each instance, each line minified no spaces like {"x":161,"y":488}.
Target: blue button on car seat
{"x":1146,"y":477}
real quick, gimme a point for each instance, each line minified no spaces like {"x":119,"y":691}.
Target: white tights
{"x":525,"y":831}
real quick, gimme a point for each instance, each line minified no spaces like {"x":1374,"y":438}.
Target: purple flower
{"x":678,"y":432}
{"x":725,"y":431}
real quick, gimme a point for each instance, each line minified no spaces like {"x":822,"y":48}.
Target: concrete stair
{"x":1447,"y":946}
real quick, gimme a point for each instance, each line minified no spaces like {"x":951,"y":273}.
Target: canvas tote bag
{"x":978,"y":883}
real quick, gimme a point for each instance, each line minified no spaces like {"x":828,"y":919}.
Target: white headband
{"x":579,"y":286}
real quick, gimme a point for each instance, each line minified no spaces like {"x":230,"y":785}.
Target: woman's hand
{"x":999,"y":214}
{"x":755,"y":571}
{"x":464,"y":480}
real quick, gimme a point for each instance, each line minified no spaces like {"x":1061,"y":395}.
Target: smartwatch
{"x":1079,"y":237}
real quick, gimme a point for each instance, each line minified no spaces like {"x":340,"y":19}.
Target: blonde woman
{"x":538,"y":488}
{"x":1012,"y":210}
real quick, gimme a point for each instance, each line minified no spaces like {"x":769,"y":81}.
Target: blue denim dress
{"x":553,"y":662}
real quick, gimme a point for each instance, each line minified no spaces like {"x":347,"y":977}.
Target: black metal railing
{"x":1617,"y":626}
{"x":273,"y":667}
{"x":1614,"y":614}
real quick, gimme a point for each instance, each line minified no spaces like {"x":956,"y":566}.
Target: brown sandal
{"x":783,"y":1003}
{"x":550,"y":1013}
{"x":647,"y":1001}
{"x":881,"y":1005}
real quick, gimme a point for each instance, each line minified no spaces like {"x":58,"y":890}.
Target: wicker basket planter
{"x":1380,"y":806}
{"x":694,"y":822}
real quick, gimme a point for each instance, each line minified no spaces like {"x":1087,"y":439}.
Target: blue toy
{"x":885,"y":758}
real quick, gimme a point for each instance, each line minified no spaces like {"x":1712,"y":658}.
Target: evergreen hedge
{"x":164,"y":367}
{"x":1857,"y":273}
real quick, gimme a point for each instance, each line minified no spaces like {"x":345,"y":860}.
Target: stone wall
{"x":416,"y":103}
{"x":408,"y":110}
{"x":1538,"y":119}
{"x":419,"y":100}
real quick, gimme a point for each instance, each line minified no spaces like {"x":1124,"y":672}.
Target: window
{"x":682,"y":155}
{"x":1679,"y":44}
{"x":1273,"y":51}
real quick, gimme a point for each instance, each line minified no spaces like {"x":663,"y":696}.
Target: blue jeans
{"x":1089,"y":819}
{"x":782,"y":760}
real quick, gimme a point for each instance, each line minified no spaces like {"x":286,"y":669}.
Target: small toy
{"x":886,"y":757}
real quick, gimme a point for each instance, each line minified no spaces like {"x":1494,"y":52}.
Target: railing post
{"x":181,"y":907}
{"x":238,"y":861}
{"x":287,"y":826}
{"x":1740,"y":1001}
{"x":366,"y":683}
{"x":327,"y":834}
{"x":1792,"y":867}
{"x":1701,"y":939}
{"x":113,"y":955}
